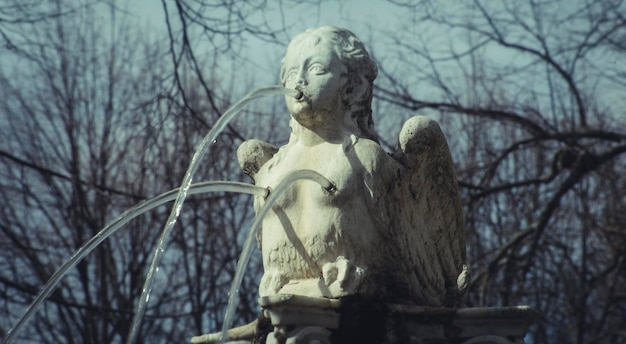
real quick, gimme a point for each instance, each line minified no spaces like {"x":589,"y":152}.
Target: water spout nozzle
{"x":330,"y":187}
{"x":300,"y":95}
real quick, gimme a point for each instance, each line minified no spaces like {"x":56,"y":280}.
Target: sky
{"x":257,"y":62}
{"x":350,"y":14}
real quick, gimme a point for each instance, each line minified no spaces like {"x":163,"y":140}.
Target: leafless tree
{"x":90,"y":128}
{"x":530,"y":92}
{"x":18,"y":17}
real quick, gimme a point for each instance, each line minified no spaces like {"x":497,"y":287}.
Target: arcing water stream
{"x":252,"y":234}
{"x":111,"y":228}
{"x":178,"y":195}
{"x":219,"y":125}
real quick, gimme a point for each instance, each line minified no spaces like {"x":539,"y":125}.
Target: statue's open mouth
{"x":300,"y":95}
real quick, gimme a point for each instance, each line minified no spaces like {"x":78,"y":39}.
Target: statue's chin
{"x":306,"y":118}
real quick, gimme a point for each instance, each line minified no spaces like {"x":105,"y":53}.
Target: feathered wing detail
{"x":427,"y":221}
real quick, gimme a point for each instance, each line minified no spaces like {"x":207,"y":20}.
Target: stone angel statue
{"x":391,"y":229}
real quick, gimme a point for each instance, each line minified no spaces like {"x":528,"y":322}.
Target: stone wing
{"x":426,"y":215}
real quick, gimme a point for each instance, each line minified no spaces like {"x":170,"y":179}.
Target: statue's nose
{"x":302,"y":81}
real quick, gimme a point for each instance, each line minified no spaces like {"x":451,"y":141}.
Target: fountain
{"x":377,"y":257}
{"x":178,"y":196}
{"x":358,"y":245}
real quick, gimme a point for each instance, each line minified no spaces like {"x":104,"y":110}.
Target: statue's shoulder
{"x":374,"y":157}
{"x":253,"y":154}
{"x":366,"y":147}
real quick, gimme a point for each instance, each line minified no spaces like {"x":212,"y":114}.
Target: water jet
{"x":381,"y":258}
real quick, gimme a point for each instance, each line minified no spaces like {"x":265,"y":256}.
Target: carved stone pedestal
{"x":295,"y":319}
{"x":304,"y":320}
{"x":300,"y":319}
{"x":484,"y":325}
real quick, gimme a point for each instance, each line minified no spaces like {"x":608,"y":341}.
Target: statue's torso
{"x":312,"y":235}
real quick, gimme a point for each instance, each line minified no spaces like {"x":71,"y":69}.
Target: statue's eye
{"x":317,"y":68}
{"x":291,"y":74}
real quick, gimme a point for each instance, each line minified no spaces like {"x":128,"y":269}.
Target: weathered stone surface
{"x":380,"y":257}
{"x":299,"y":319}
{"x":392,"y":228}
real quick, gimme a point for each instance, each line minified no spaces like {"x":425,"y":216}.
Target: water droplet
{"x":214,"y":141}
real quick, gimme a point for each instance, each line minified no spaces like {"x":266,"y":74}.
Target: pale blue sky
{"x":376,"y":22}
{"x":352,"y":14}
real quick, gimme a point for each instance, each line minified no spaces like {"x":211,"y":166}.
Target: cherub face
{"x":313,"y":67}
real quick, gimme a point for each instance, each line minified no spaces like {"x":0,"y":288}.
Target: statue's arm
{"x":252,"y":154}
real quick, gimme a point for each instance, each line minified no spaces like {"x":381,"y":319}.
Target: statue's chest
{"x":331,"y":162}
